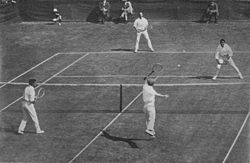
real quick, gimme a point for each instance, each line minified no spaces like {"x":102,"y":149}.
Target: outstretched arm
{"x":160,"y":95}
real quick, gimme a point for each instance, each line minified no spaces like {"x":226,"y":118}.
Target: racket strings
{"x":157,"y":67}
{"x":41,"y":93}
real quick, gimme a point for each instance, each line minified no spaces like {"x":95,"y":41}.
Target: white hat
{"x":55,"y":10}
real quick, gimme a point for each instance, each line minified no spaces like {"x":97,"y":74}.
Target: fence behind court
{"x":85,"y":10}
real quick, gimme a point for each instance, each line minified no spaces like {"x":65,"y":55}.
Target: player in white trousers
{"x":28,"y":108}
{"x":223,"y":56}
{"x":148,"y":95}
{"x":141,"y":27}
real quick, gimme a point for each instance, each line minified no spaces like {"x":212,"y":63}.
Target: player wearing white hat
{"x":141,"y":26}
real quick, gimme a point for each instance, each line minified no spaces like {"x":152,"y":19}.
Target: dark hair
{"x":32,"y":81}
{"x":150,"y":81}
{"x":222,"y":40}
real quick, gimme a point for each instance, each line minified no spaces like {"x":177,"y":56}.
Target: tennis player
{"x":28,"y":108}
{"x":148,"y":95}
{"x":141,"y":27}
{"x":223,"y":56}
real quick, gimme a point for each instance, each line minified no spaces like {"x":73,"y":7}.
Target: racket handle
{"x":150,"y":73}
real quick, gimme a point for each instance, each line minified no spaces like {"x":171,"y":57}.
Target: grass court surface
{"x":202,"y":120}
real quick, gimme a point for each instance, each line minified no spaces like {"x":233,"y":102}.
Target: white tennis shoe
{"x":40,"y":132}
{"x":150,"y":132}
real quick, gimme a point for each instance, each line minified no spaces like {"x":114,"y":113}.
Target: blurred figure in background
{"x":104,"y":11}
{"x":7,"y":1}
{"x":57,"y":17}
{"x":127,"y":10}
{"x":211,"y":11}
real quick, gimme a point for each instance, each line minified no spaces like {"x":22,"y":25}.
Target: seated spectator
{"x":3,"y":2}
{"x":104,"y":11}
{"x":211,"y":11}
{"x":57,"y":17}
{"x":126,"y":10}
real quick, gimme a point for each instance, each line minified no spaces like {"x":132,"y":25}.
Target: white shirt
{"x":29,"y":93}
{"x":141,"y":24}
{"x":129,"y":8}
{"x":223,"y":51}
{"x":148,"y":94}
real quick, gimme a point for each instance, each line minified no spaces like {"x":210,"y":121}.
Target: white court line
{"x":237,"y":137}
{"x":110,"y":123}
{"x":137,"y":76}
{"x":163,"y":51}
{"x":47,"y":80}
{"x":29,"y":70}
{"x":136,"y":85}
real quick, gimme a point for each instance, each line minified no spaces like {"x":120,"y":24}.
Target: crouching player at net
{"x":148,"y":95}
{"x":223,"y":56}
{"x":28,"y":108}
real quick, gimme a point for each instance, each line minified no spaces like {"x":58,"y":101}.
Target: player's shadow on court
{"x":13,"y":130}
{"x":201,"y":77}
{"x":130,"y":141}
{"x":8,"y":130}
{"x":121,"y":49}
{"x":210,"y":77}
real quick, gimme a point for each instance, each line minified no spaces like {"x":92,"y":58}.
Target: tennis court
{"x":198,"y":123}
{"x":90,"y":73}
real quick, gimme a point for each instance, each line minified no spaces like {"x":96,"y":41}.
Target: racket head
{"x":157,"y":67}
{"x":150,"y":27}
{"x":40,"y":93}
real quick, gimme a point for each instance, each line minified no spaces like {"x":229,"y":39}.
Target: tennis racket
{"x":40,"y":93}
{"x":150,"y":27}
{"x":226,"y":59}
{"x":157,"y":67}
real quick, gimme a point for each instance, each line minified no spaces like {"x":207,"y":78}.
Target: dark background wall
{"x":81,"y":10}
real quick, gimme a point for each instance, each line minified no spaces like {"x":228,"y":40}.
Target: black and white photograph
{"x":124,"y":81}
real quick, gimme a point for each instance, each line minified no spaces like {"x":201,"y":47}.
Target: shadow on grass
{"x":210,"y":77}
{"x":51,"y":23}
{"x":8,"y":130}
{"x":13,"y":130}
{"x":201,"y":77}
{"x":159,"y":111}
{"x":200,"y":21}
{"x":130,"y":141}
{"x":121,"y":49}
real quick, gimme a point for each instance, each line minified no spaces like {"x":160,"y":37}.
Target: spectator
{"x":57,"y":17}
{"x":126,"y":10}
{"x":3,"y":2}
{"x":211,"y":11}
{"x":104,"y":11}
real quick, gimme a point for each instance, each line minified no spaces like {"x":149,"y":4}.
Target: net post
{"x":120,"y":97}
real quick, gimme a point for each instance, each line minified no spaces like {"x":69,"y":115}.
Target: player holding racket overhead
{"x":148,"y":95}
{"x":141,"y":27}
{"x":28,"y":108}
{"x":223,"y":56}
